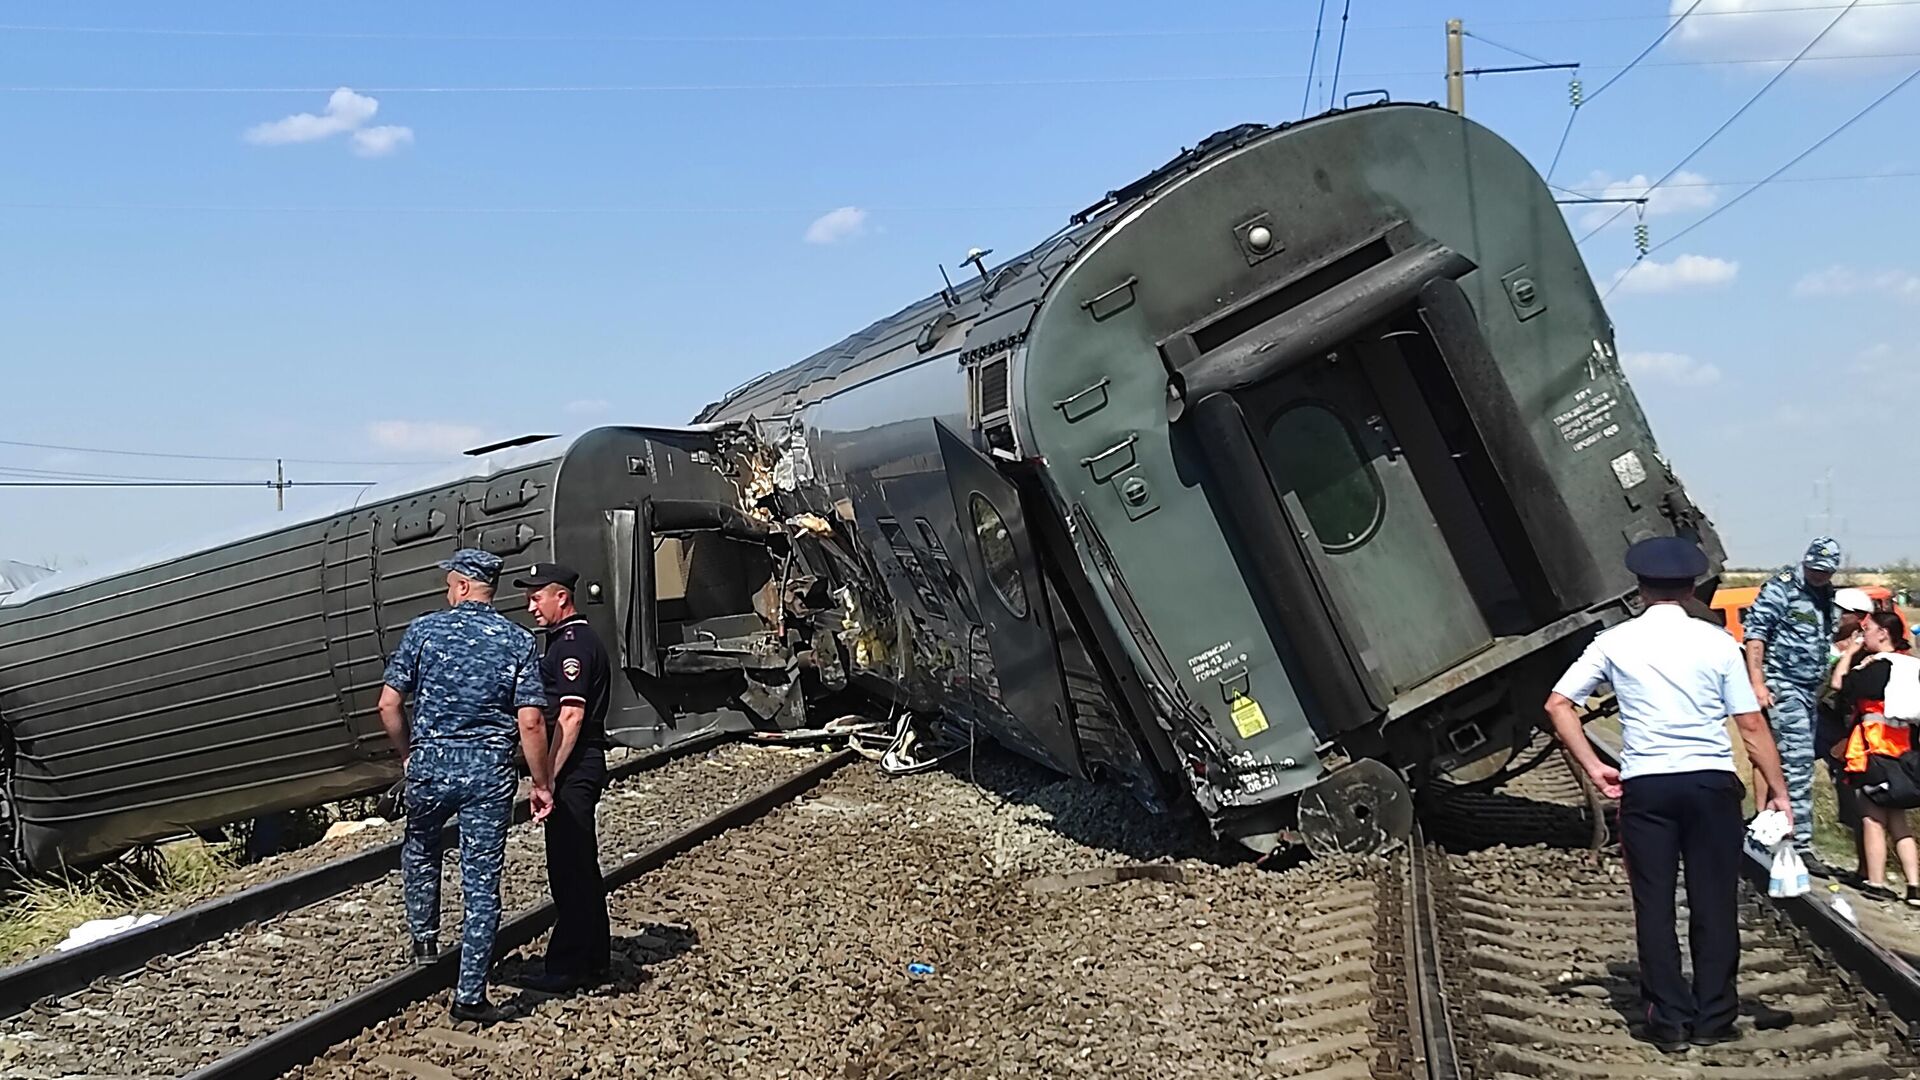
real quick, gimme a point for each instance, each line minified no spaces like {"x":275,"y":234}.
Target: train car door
{"x":1008,"y":593}
{"x":355,"y":644}
{"x":1335,"y":461}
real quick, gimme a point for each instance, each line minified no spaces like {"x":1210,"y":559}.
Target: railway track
{"x":879,"y":929}
{"x":258,"y":893}
{"x":233,"y":1005}
{"x":1524,"y":962}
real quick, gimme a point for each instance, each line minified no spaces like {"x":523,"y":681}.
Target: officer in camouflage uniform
{"x":474,"y":677}
{"x":1789,"y":630}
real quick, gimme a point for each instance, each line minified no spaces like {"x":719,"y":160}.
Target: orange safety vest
{"x":1873,"y":733}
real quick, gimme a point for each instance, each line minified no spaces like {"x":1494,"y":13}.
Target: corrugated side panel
{"x":149,"y":702}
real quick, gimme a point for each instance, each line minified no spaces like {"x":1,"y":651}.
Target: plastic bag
{"x":1789,"y":876}
{"x":1769,"y":827}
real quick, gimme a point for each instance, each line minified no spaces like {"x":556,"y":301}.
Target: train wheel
{"x":1358,"y":809}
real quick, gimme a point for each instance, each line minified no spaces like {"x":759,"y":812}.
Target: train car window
{"x":1314,"y":453}
{"x":997,"y":552}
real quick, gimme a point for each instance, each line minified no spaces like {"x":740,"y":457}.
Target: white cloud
{"x":1756,"y":29}
{"x":424,"y":436}
{"x":1677,"y":368}
{"x":381,"y":141}
{"x":588,"y":407}
{"x":1840,"y":280}
{"x":846,"y":223}
{"x":1886,"y":369}
{"x":1684,"y":272}
{"x":1683,"y":193}
{"x":346,"y":112}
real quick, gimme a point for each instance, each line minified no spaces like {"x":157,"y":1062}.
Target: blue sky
{"x":525,"y":218}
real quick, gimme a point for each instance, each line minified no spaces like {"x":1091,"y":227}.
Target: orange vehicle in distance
{"x":1730,"y":606}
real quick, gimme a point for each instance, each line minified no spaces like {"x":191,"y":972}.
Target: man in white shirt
{"x":1677,"y":679}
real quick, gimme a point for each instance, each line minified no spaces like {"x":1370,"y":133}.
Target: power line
{"x":201,"y":457}
{"x":66,"y":474}
{"x":1729,"y":121}
{"x":1644,"y":53}
{"x":1339,"y":55}
{"x":1769,"y":178}
{"x":1313,"y":59}
{"x":1618,"y":75}
{"x":901,"y":84}
{"x":789,"y":39}
{"x":1508,"y":48}
{"x":229,"y":208}
{"x":73,"y":484}
{"x":1889,"y":175}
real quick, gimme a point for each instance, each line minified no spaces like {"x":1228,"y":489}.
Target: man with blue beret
{"x":1677,"y":679}
{"x":1789,"y":631}
{"x":475,"y":681}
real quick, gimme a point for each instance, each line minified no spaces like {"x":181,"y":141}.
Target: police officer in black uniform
{"x":578,"y":682}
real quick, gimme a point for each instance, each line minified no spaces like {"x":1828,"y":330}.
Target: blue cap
{"x":1666,"y":558}
{"x":481,"y":566}
{"x":1823,"y":554}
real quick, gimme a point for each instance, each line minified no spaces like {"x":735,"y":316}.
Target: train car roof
{"x":1005,"y":285}
{"x":453,"y":472}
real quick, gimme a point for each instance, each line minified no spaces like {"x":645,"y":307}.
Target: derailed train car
{"x":1277,"y":481}
{"x":192,"y":689}
{"x":1288,"y":474}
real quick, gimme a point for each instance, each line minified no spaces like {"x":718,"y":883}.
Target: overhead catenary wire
{"x":1339,"y":54}
{"x":1313,"y":59}
{"x":255,"y":460}
{"x":269,"y":484}
{"x":1729,"y":121}
{"x":882,"y":84}
{"x":1770,"y":177}
{"x":801,"y":39}
{"x":235,"y":208}
{"x":1573,"y":114}
{"x":1506,"y":48}
{"x":1648,"y":51}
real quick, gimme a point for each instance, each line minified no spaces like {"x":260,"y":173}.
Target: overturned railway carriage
{"x":241,"y":678}
{"x":1286,"y":475}
{"x":1290,"y":472}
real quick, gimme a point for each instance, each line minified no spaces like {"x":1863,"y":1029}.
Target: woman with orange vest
{"x":1878,"y":686}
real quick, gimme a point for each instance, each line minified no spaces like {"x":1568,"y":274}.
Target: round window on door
{"x":1314,"y":455}
{"x":998,"y":554}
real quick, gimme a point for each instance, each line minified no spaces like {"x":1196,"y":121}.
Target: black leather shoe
{"x":479,"y":1013}
{"x":554,"y":982}
{"x":1667,"y":1041}
{"x":1816,"y":867}
{"x":425,"y":952}
{"x":1716,"y":1037}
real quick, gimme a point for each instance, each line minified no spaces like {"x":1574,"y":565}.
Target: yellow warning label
{"x":1248,"y":719}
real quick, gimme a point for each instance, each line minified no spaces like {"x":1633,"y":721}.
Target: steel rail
{"x":62,"y":973}
{"x":1429,"y":1019}
{"x":1879,"y":970}
{"x":301,"y":1042}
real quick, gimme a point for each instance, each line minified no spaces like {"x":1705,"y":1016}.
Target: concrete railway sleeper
{"x":1538,"y":975}
{"x":225,"y":1006}
{"x":275,"y":886}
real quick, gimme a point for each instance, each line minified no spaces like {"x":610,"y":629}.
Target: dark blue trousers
{"x":1664,"y":820}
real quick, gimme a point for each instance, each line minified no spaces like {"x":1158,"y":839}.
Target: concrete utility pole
{"x":279,"y":484}
{"x":1456,"y":77}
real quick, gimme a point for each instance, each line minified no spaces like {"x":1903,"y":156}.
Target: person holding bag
{"x":1878,"y":686}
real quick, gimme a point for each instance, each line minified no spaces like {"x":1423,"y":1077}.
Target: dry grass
{"x":39,"y":912}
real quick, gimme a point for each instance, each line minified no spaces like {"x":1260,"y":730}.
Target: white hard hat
{"x":1852,"y":600}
